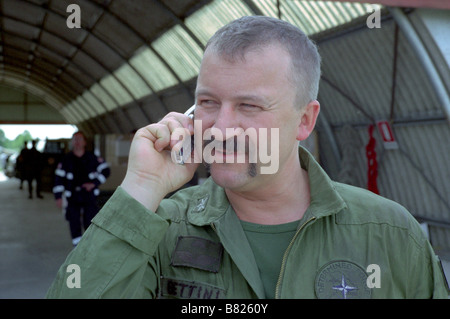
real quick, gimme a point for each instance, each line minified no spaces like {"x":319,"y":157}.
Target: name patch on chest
{"x":175,"y":288}
{"x":197,"y":252}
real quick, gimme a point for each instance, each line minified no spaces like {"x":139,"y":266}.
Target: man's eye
{"x":249,"y":106}
{"x":208,"y":103}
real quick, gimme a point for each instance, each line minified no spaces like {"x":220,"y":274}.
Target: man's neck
{"x":78,"y":152}
{"x":284,"y":200}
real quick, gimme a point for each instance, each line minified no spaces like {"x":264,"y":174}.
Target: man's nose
{"x":228,"y":122}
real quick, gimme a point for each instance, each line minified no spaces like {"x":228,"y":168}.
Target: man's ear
{"x":308,"y":120}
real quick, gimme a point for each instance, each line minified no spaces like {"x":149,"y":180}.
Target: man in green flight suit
{"x":292,"y":233}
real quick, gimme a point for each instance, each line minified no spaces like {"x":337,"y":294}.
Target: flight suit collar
{"x":324,"y":198}
{"x":209,"y":202}
{"x":210,"y":206}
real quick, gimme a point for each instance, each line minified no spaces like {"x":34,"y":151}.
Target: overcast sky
{"x":39,"y":131}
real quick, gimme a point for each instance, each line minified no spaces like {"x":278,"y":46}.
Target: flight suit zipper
{"x":286,"y":253}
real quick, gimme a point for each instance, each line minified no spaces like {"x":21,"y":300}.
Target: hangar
{"x":112,"y":66}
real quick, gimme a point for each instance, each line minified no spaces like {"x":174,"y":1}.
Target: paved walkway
{"x":34,"y":241}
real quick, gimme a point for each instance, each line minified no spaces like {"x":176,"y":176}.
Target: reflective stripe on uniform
{"x":58,"y":189}
{"x":102,"y":167}
{"x":101,"y":178}
{"x":59,"y":172}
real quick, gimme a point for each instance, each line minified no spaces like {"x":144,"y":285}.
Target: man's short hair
{"x":235,"y":39}
{"x":79,"y":133}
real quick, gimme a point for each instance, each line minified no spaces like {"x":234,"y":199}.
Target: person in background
{"x":32,"y":169}
{"x":19,"y":164}
{"x":77,"y":178}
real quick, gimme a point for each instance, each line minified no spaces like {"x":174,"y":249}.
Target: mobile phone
{"x":179,"y":156}
{"x":190,"y":111}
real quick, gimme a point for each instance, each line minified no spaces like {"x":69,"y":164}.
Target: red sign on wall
{"x":385,"y":130}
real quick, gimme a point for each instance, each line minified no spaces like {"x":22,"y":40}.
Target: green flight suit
{"x":350,"y":243}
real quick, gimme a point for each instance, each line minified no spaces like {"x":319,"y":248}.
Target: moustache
{"x":230,"y":144}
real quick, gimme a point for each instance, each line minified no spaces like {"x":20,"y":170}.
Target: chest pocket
{"x":197,"y":252}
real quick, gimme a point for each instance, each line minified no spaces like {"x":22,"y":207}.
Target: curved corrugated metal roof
{"x":91,"y":71}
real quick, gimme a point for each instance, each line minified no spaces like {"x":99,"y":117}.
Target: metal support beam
{"x":422,"y":54}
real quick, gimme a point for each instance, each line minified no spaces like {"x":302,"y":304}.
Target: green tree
{"x":2,"y":138}
{"x":17,"y":143}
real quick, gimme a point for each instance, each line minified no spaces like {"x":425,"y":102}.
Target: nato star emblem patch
{"x":342,"y":280}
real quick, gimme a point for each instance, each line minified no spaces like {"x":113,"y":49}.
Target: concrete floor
{"x":34,"y":241}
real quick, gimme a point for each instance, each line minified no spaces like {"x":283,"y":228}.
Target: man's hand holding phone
{"x":151,"y":172}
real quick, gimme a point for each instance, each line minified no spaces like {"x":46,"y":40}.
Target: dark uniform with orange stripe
{"x":70,"y":175}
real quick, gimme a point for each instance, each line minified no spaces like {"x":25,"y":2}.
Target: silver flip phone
{"x":190,"y":111}
{"x":179,"y":156}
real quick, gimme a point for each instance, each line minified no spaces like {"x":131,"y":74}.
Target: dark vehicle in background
{"x":8,"y":161}
{"x":52,"y":154}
